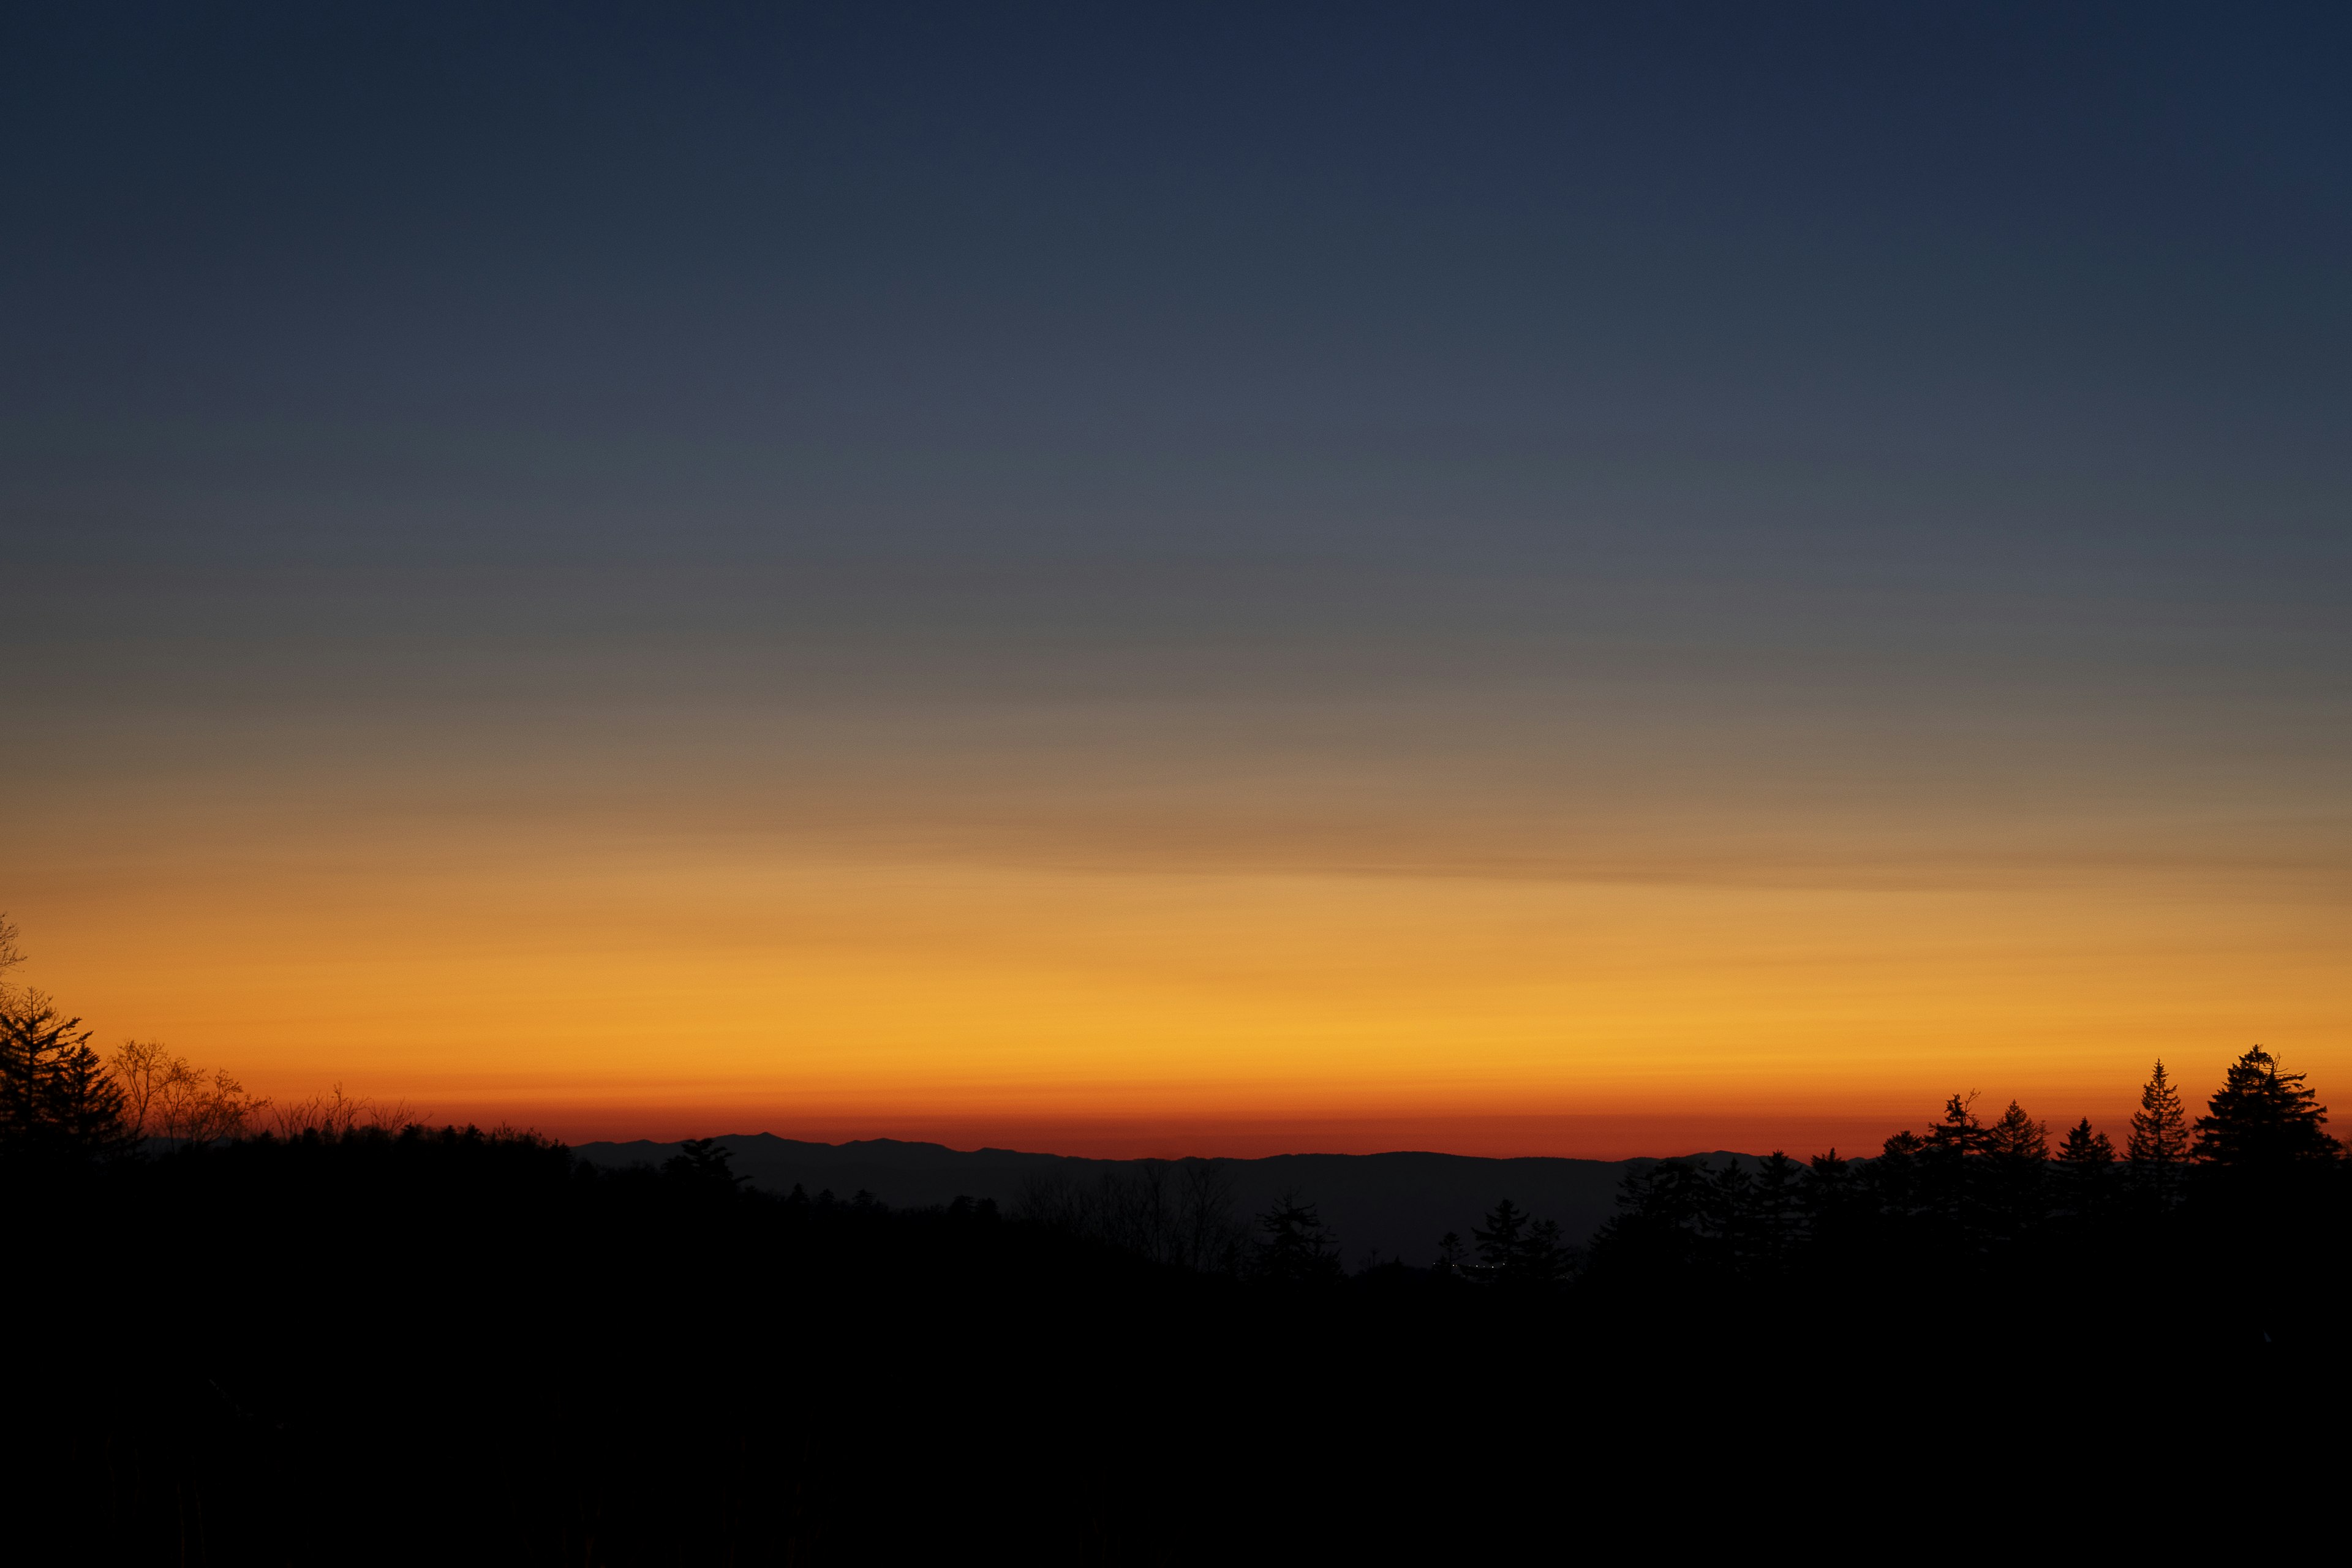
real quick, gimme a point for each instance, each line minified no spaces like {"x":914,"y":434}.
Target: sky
{"x":1522,"y":580}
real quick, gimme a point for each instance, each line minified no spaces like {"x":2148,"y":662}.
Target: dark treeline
{"x":424,"y":1342}
{"x":2238,"y":1219}
{"x":331,"y":1336}
{"x":241,"y":1333}
{"x":2253,"y":1195}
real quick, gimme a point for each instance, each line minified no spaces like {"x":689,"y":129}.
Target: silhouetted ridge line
{"x":1391,"y":1205}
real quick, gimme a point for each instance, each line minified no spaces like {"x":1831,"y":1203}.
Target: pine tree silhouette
{"x":2261,"y":1118}
{"x":1501,"y":1241}
{"x":2086,"y":1148}
{"x":2159,"y":1128}
{"x":1544,"y":1256}
{"x":2086,"y":1158}
{"x":1960,"y":1133}
{"x":701,"y":1162}
{"x":2018,"y":1136}
{"x":56,"y":1097}
{"x":1777,"y":1209}
{"x":1296,"y":1251}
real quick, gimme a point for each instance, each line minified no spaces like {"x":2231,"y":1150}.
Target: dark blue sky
{"x":421,"y":282}
{"x":1878,"y":394}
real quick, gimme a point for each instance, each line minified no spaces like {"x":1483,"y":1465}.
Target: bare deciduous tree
{"x":1053,"y":1199}
{"x":336,"y":1115}
{"x":10,"y":956}
{"x":137,"y":1065}
{"x":1174,"y":1212}
{"x":1214,"y":1235}
{"x":165,"y":1096}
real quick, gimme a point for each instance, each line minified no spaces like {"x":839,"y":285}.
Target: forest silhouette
{"x":328,"y":1333}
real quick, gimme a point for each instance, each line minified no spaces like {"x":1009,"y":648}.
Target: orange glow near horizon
{"x":638,"y":986}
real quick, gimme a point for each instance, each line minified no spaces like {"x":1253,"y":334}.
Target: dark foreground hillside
{"x":458,"y":1346}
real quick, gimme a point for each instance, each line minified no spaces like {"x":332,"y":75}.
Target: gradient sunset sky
{"x":1512,"y":579}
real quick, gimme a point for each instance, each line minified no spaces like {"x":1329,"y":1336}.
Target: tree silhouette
{"x":1544,"y":1256}
{"x":2086,"y":1148}
{"x":333,"y":1115}
{"x":1209,"y":1238}
{"x":55,"y":1096}
{"x":164,"y":1097}
{"x":139,"y":1068}
{"x":2159,"y":1128}
{"x":1514,"y":1247}
{"x":1944,"y":1176}
{"x":2017,"y":1172}
{"x":1777,"y":1209}
{"x":1960,"y":1134}
{"x":10,"y":956}
{"x":1501,"y":1241}
{"x":1670,"y":1221}
{"x":701,"y":1162}
{"x":2085,"y":1157}
{"x":1296,"y":1251}
{"x":2017,"y":1136}
{"x":1180,"y":1212}
{"x":2263,"y":1119}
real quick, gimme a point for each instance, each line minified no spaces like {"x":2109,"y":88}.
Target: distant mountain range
{"x":1392,"y":1205}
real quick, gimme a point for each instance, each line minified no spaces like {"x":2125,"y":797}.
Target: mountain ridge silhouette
{"x":1391,"y":1205}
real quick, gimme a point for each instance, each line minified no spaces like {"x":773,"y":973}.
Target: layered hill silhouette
{"x":1392,"y":1206}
